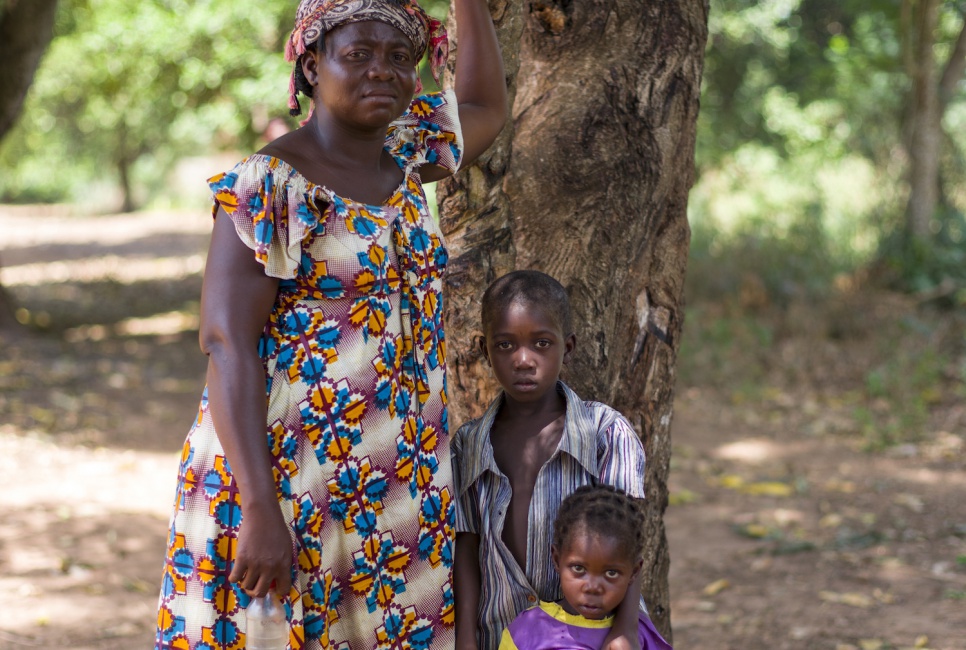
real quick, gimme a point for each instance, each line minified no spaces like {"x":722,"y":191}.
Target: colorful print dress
{"x":355,"y":364}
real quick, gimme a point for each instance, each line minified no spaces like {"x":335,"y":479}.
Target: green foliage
{"x":899,"y":394}
{"x":799,"y":147}
{"x":936,"y":267}
{"x":796,"y":76}
{"x":128,"y":88}
{"x":793,"y":225}
{"x":127,"y":84}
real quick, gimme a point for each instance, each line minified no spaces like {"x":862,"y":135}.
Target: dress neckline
{"x":310,"y":185}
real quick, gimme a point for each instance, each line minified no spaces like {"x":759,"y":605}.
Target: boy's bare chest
{"x":520,"y":458}
{"x":520,"y":454}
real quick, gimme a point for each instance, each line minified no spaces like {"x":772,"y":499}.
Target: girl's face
{"x":526,"y":348}
{"x":595,"y":573}
{"x":366,"y":75}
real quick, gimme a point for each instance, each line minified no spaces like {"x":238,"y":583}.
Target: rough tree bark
{"x":589,"y":182}
{"x":26,"y":27}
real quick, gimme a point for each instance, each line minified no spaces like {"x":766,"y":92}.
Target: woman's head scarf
{"x":316,"y":17}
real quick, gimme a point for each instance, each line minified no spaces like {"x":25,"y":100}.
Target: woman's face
{"x":366,"y":76}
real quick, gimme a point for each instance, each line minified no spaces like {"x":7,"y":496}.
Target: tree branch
{"x":955,"y":68}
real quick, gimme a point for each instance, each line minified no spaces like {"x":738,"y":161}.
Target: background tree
{"x":826,"y":132}
{"x":26,"y":28}
{"x":203,"y":76}
{"x":589,"y":183}
{"x":931,"y":89}
{"x":206,"y":77}
{"x":25,"y":31}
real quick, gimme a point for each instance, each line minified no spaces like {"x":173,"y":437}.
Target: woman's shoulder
{"x":428,"y":132}
{"x":273,"y":209}
{"x":253,"y":172}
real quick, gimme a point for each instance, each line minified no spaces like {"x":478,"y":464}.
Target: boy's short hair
{"x":532,"y":288}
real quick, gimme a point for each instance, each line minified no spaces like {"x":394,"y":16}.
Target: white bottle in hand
{"x":266,"y":627}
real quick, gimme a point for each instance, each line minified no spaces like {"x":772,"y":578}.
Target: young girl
{"x":536,"y":444}
{"x":598,"y":538}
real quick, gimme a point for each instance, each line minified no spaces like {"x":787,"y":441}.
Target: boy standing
{"x":536,"y":443}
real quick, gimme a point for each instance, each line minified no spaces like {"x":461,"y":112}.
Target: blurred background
{"x":820,"y":421}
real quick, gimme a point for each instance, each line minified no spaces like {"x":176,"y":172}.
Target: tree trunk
{"x":26,"y":27}
{"x":589,"y":183}
{"x":128,"y":204}
{"x":924,"y":128}
{"x":8,"y":321}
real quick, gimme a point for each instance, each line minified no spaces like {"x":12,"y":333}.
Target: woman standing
{"x":318,"y":466}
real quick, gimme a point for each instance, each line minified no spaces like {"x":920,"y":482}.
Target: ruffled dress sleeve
{"x":273,"y":208}
{"x":428,"y":132}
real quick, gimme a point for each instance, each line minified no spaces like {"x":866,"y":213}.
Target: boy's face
{"x":526,"y":348}
{"x":595,"y":573}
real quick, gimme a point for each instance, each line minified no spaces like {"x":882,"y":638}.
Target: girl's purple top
{"x":549,"y":627}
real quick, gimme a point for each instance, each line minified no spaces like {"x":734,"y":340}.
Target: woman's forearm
{"x":479,"y":76}
{"x":236,"y":300}
{"x":237,"y":403}
{"x":480,"y":83}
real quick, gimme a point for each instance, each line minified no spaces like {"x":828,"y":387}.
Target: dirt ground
{"x":800,"y":515}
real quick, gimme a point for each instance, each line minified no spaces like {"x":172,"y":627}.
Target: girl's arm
{"x":236,"y":300}
{"x":480,"y":84}
{"x":467,"y":589}
{"x":623,"y":634}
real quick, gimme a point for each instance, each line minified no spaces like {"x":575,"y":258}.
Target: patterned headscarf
{"x":316,"y":17}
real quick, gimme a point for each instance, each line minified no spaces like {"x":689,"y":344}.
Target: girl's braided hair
{"x":603,"y":510}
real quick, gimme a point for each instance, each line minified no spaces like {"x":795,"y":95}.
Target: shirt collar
{"x":478,"y":450}
{"x":580,"y":431}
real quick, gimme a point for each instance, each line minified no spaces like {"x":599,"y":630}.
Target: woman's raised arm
{"x":480,"y":83}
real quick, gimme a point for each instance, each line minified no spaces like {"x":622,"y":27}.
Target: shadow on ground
{"x":816,"y":481}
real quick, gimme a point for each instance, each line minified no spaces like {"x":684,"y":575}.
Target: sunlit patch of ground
{"x":783,"y":539}
{"x":81,"y":541}
{"x":786,"y":531}
{"x":92,"y":414}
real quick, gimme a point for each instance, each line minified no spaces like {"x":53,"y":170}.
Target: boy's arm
{"x":623,"y":634}
{"x":467,"y":589}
